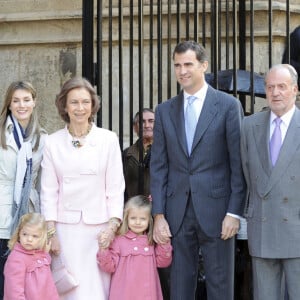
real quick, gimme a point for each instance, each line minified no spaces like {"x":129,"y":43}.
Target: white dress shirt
{"x":284,"y":125}
{"x":198,"y":103}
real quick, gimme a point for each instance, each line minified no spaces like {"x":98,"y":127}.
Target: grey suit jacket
{"x":213,"y":171}
{"x":273,"y":212}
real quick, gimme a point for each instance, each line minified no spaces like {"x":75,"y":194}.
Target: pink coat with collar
{"x":134,"y":263}
{"x":28,"y":276}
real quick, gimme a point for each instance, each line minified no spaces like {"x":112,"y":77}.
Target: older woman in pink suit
{"x":82,"y":188}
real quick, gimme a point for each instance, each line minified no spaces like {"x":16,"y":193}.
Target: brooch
{"x":76,"y":143}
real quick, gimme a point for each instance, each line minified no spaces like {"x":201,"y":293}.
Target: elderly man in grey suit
{"x":270,"y":149}
{"x":196,"y":178}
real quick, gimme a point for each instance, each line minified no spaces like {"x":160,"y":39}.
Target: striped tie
{"x":190,"y":122}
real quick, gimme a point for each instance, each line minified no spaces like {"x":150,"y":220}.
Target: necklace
{"x":78,"y":140}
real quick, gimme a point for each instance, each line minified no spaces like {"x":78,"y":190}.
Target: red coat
{"x":134,"y":266}
{"x":28,"y":276}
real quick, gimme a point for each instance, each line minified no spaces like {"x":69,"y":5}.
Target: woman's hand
{"x":105,"y":237}
{"x":53,"y":240}
{"x":55,"y":245}
{"x":48,"y":246}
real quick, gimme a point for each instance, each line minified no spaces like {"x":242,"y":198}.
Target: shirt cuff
{"x":233,"y":215}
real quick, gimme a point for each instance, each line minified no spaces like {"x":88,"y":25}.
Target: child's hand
{"x":105,"y":237}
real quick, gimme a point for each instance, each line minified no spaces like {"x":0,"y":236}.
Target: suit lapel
{"x":177,"y":117}
{"x":261,"y":131}
{"x":209,"y":110}
{"x":290,"y":145}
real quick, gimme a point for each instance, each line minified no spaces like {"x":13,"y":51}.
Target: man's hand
{"x":161,"y":230}
{"x":230,"y":227}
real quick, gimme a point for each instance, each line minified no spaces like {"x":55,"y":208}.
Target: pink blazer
{"x":82,"y":182}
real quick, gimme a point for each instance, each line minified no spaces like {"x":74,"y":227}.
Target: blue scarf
{"x":23,"y":179}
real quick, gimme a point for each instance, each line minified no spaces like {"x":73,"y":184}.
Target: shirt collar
{"x":286,"y":118}
{"x":131,"y":235}
{"x":201,"y":94}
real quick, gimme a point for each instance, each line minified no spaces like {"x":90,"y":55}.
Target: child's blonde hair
{"x":30,"y":219}
{"x":138,"y":201}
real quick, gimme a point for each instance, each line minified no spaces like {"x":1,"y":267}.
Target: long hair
{"x":76,"y":83}
{"x":33,"y":130}
{"x":31,"y":219}
{"x":138,"y":201}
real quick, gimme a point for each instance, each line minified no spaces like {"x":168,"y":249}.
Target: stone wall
{"x":40,"y":41}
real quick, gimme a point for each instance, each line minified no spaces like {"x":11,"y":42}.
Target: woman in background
{"x":82,"y":188}
{"x":21,"y":145}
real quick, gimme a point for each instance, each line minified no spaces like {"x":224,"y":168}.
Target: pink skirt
{"x":79,"y":248}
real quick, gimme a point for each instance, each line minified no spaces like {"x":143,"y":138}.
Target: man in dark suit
{"x":270,"y":150}
{"x":197,"y":188}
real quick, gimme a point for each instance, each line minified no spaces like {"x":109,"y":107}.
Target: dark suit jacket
{"x":212,"y":173}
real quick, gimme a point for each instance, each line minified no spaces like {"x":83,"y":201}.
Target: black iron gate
{"x":127,"y":50}
{"x":130,"y":62}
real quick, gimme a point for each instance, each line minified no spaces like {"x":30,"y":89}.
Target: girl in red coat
{"x":27,"y":269}
{"x":133,"y":258}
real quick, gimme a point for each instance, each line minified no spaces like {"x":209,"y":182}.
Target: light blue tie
{"x":190,"y":122}
{"x":275,"y":142}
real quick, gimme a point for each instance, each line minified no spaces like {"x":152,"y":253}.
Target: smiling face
{"x":189,"y":71}
{"x":281,"y":91}
{"x":21,"y":106}
{"x":79,"y":106}
{"x":138,"y":220}
{"x":31,"y":237}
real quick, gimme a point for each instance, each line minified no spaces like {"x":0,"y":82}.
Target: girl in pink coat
{"x":27,"y":269}
{"x":133,"y":258}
